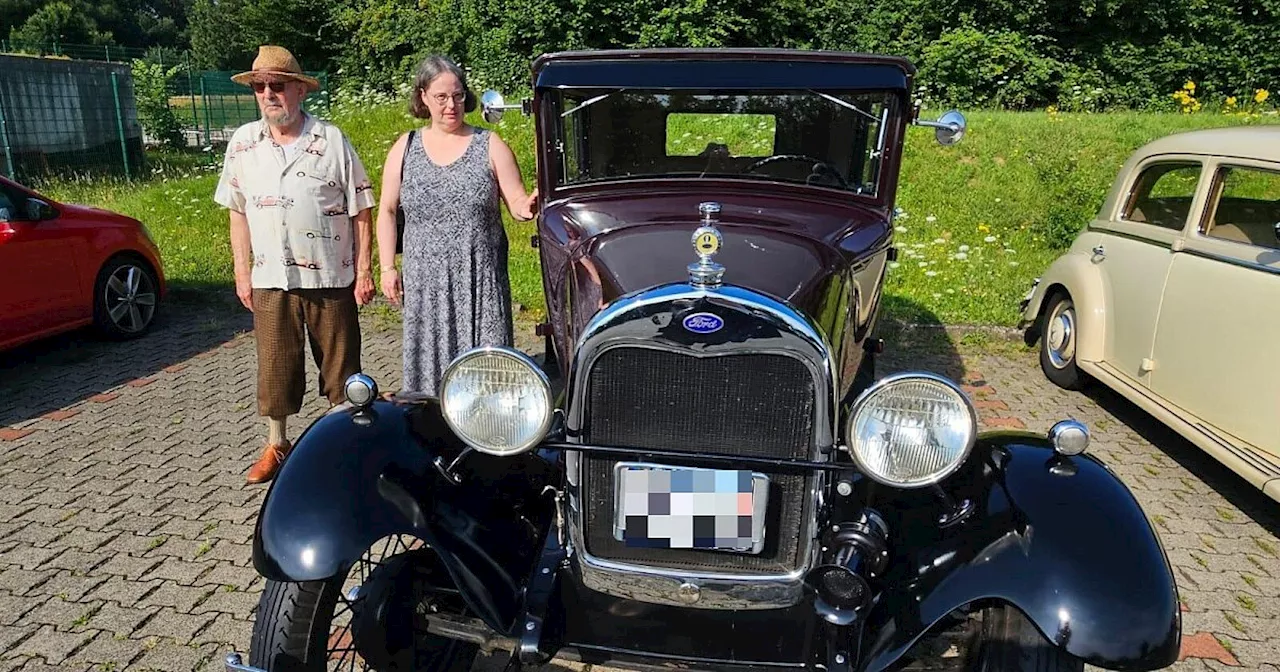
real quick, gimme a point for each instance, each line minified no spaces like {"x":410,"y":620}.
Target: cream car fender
{"x":1077,"y":274}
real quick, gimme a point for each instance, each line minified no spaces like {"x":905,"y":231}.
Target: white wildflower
{"x":964,"y":248}
{"x":930,"y":218}
{"x":961,"y":256}
{"x":989,"y":239}
{"x":900,"y":229}
{"x":931,"y":273}
{"x":894,"y":264}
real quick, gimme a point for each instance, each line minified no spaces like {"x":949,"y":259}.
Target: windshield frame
{"x":549,"y":106}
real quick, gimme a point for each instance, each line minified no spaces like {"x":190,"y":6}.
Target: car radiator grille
{"x":755,"y":405}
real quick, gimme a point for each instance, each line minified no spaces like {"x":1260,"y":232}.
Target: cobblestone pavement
{"x":125,"y":523}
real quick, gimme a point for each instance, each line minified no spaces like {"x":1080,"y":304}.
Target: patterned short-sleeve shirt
{"x":299,"y":205}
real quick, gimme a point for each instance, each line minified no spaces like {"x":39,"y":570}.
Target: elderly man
{"x":299,"y":203}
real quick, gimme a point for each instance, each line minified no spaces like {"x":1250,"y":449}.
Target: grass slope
{"x":979,"y":219}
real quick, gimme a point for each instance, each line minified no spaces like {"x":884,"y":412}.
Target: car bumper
{"x":1026,"y":301}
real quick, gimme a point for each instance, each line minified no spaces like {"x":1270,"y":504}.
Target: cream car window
{"x":1247,"y":207}
{"x":1162,"y":195}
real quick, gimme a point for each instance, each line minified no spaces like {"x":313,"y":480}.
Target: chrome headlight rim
{"x":862,"y":400}
{"x":360,"y":390}
{"x":544,"y":385}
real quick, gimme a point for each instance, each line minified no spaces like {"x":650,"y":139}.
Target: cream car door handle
{"x":1099,"y":251}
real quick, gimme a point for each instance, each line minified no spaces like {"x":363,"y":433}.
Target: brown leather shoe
{"x":269,"y":462}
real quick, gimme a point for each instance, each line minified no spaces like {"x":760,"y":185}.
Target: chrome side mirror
{"x":951,"y":127}
{"x":492,"y":106}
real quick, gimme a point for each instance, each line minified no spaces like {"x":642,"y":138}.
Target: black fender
{"x":357,"y":476}
{"x":1060,"y":538}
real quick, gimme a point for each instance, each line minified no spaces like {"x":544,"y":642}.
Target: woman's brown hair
{"x":430,"y":68}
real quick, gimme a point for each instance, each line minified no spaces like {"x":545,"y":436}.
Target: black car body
{"x":710,"y":356}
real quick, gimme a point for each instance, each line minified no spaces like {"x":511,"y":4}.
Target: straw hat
{"x":273,"y":60}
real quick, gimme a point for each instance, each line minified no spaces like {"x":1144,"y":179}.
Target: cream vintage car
{"x":1171,"y":295}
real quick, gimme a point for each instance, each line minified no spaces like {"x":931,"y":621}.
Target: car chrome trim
{"x":798,"y":338}
{"x":1251,"y":265}
{"x":1110,"y":229}
{"x":715,"y":458}
{"x":235,"y":663}
{"x":661,"y":585}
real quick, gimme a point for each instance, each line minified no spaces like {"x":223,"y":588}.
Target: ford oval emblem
{"x":703,"y":323}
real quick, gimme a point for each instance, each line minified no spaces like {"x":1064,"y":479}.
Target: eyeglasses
{"x":457,"y":98}
{"x":275,"y":86}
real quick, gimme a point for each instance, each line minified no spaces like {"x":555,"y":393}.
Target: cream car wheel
{"x":1059,"y":333}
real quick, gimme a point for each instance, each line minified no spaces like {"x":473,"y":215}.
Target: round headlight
{"x":911,"y":429}
{"x":496,"y":400}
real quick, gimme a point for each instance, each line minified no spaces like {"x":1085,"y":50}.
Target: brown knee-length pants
{"x":328,"y":319}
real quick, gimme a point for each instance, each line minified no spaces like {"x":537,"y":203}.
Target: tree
{"x":59,"y":23}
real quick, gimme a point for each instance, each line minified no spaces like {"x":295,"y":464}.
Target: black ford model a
{"x":704,"y":472}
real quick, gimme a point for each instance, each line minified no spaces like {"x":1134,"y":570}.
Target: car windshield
{"x":828,"y":138}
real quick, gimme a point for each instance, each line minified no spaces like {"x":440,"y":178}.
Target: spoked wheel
{"x":996,"y":639}
{"x":1009,"y":642}
{"x":375,"y":618}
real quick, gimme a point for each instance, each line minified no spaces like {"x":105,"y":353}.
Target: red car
{"x":67,"y":266}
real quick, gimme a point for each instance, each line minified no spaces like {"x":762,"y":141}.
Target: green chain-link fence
{"x":65,"y":116}
{"x":210,"y":106}
{"x":95,"y":52}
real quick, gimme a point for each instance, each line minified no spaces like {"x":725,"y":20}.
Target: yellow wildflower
{"x":983,"y":228}
{"x":1231,"y":101}
{"x":1260,"y":95}
{"x":1190,"y":86}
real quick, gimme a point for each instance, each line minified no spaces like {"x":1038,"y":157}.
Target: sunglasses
{"x":277,"y":87}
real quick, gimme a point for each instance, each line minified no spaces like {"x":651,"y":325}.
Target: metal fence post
{"x":124,"y":148}
{"x":195,"y":114}
{"x":204,"y":102}
{"x":4,"y":138}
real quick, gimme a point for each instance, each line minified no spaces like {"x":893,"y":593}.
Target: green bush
{"x":151,"y":94}
{"x":969,"y":68}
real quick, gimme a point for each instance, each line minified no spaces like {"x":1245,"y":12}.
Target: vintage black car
{"x":703,"y":471}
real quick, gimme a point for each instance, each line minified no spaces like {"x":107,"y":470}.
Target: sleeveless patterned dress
{"x":457,"y":293}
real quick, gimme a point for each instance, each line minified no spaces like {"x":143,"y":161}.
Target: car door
{"x":1216,"y":350}
{"x":39,"y":286}
{"x":1135,"y":253}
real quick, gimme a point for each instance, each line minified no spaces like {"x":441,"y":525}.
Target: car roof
{"x":722,"y":68}
{"x":1257,"y":142}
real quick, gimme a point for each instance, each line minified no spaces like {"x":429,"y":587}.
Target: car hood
{"x":606,"y":245}
{"x":77,"y":210}
{"x":784,"y":247}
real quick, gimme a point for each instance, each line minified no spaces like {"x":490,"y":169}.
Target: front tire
{"x":1059,"y":335}
{"x":294,"y":630}
{"x":125,"y":297}
{"x":1009,"y":642}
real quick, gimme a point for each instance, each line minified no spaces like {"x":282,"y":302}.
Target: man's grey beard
{"x":283,"y":119}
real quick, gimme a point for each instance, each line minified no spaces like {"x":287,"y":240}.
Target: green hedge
{"x":1078,"y":55}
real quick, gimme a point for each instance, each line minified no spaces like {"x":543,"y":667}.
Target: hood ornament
{"x":706,"y":242}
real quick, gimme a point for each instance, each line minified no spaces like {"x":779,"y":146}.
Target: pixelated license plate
{"x":680,"y":507}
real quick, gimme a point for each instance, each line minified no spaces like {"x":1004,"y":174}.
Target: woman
{"x":456,"y":291}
